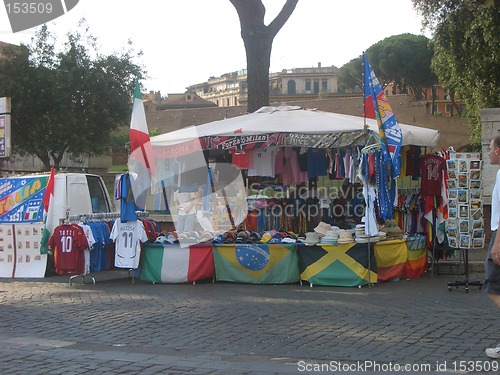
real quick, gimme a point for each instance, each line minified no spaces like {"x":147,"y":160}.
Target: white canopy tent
{"x":291,"y":119}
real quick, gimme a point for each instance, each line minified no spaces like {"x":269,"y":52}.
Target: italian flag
{"x":48,"y":203}
{"x":174,"y":264}
{"x":140,"y":143}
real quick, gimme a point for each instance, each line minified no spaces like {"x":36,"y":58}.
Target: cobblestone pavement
{"x":116,"y":327}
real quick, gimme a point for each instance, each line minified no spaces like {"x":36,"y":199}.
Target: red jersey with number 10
{"x":432,"y":168}
{"x":68,"y":242}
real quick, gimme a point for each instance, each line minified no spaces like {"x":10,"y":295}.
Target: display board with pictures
{"x":465,"y":224}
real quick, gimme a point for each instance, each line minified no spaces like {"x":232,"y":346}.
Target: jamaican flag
{"x":337,"y":265}
{"x":256,"y":263}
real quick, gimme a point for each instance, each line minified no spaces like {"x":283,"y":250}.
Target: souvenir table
{"x":175,"y":264}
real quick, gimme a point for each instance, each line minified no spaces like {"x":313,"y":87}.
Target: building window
{"x":308,"y":86}
{"x":316,"y":87}
{"x":291,"y":87}
{"x":324,"y":85}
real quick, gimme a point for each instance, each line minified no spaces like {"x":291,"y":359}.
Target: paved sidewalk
{"x":114,"y":327}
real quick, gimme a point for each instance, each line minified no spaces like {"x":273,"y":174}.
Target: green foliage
{"x":466,"y":39}
{"x":349,"y":77}
{"x":68,"y":101}
{"x":119,"y":138}
{"x":404,"y":60}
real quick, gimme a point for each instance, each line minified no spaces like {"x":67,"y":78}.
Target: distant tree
{"x":258,"y":40}
{"x":405,"y":61}
{"x":349,"y":77}
{"x":68,"y":101}
{"x":466,"y":39}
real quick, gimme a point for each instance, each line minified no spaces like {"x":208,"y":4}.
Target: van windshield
{"x":98,"y":195}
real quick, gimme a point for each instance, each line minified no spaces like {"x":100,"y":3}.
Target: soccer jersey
{"x":68,"y":242}
{"x":127,"y":201}
{"x":432,"y":168}
{"x":128,"y":237}
{"x":262,"y":162}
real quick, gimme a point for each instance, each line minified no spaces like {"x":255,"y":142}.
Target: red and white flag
{"x":140,"y":143}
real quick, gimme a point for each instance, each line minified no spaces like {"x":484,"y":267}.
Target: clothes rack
{"x":99,"y":216}
{"x":102,"y":216}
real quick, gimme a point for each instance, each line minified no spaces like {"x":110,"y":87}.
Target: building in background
{"x":230,"y":89}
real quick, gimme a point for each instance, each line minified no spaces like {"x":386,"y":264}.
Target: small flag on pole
{"x":141,"y":159}
{"x":140,"y":142}
{"x":48,"y":203}
{"x":377,"y":106}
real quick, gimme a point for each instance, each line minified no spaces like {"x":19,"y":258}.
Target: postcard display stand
{"x":465,"y":224}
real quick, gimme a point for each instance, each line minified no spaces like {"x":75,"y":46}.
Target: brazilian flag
{"x":256,"y":263}
{"x":337,"y":265}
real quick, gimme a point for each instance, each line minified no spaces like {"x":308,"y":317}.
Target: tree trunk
{"x":258,"y":50}
{"x":45,"y":158}
{"x":258,"y":39}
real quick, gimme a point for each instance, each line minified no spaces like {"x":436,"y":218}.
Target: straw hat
{"x":312,"y":238}
{"x":206,"y":237}
{"x":322,"y":228}
{"x":330,"y":237}
{"x":345,"y":237}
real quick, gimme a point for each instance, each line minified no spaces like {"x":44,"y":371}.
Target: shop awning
{"x":288,"y":126}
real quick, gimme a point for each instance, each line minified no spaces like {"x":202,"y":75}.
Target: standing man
{"x":491,"y":284}
{"x":186,"y":216}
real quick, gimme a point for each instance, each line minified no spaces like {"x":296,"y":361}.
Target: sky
{"x":184,"y":42}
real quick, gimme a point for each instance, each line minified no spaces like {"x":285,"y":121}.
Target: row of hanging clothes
{"x":82,"y":243}
{"x":303,"y":215}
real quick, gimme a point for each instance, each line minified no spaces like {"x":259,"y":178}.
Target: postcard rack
{"x":466,"y":283}
{"x":465,"y":223}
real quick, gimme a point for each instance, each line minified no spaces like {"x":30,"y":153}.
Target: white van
{"x":21,"y":215}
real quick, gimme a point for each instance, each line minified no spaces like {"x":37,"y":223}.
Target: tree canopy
{"x":466,"y":40}
{"x":258,"y":40}
{"x":68,"y":101}
{"x":404,"y":60}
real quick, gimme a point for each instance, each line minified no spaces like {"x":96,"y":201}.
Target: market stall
{"x":292,"y":159}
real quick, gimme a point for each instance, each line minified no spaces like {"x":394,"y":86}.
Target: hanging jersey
{"x":262,"y":162}
{"x":128,"y":237}
{"x":127,"y":201}
{"x":68,"y":242}
{"x":432,"y":168}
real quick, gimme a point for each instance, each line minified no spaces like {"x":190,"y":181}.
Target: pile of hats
{"x":362,"y":237}
{"x":345,"y":237}
{"x":166,"y":239}
{"x":392,"y":231}
{"x":250,"y":237}
{"x":311,"y":238}
{"x":330,"y":237}
{"x":322,"y":228}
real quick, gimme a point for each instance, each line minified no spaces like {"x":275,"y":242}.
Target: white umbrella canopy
{"x":291,"y":119}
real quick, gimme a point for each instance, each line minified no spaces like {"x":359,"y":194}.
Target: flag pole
{"x":365,"y":129}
